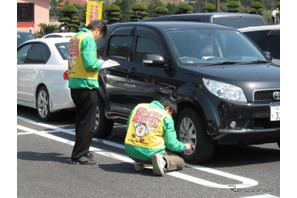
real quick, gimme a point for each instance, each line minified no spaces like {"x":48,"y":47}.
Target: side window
{"x":120,"y":47}
{"x":100,"y":46}
{"x":39,"y":53}
{"x":53,"y":36}
{"x":272,"y":45}
{"x":145,"y":46}
{"x":22,"y":53}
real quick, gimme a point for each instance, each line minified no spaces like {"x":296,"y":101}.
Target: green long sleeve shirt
{"x":90,"y":62}
{"x":169,"y":136}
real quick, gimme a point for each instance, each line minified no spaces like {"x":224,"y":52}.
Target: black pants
{"x":86,"y":101}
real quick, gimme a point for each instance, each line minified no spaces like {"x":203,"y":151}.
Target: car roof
{"x":260,"y":28}
{"x":171,"y":25}
{"x":48,"y":41}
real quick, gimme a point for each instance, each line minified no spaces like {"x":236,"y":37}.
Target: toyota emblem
{"x":276,"y":95}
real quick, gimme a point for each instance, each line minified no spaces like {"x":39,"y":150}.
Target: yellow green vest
{"x":76,"y":68}
{"x":146,"y":127}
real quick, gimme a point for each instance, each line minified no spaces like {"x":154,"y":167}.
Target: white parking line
{"x":262,"y":196}
{"x":245,"y":182}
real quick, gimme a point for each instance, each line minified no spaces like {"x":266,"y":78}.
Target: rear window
{"x":239,"y":22}
{"x":63,"y":50}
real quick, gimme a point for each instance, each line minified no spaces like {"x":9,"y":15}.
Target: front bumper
{"x":252,"y":123}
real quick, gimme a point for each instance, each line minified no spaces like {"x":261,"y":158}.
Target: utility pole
{"x":218,"y":5}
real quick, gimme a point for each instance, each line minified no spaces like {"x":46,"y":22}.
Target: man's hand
{"x":101,"y":61}
{"x":188,"y":147}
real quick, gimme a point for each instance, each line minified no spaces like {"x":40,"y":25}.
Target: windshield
{"x":212,"y":46}
{"x":63,"y":50}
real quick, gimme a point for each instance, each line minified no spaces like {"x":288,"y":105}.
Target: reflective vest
{"x":146,"y":127}
{"x":76,"y":67}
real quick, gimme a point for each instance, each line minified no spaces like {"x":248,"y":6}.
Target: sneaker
{"x":89,"y":154}
{"x":84,"y":160}
{"x":158,"y":165}
{"x":138,"y":166}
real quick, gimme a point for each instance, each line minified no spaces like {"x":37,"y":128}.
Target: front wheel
{"x":191,"y":130}
{"x":103,"y":126}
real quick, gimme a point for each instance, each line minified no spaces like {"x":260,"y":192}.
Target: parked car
{"x":42,"y":78}
{"x":59,"y":35}
{"x":267,"y":38}
{"x":226,"y":90}
{"x":24,"y":36}
{"x":236,"y":20}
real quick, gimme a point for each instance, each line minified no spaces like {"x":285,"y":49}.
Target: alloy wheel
{"x":187,"y":133}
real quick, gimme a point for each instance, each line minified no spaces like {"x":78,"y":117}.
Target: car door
{"x":28,"y":68}
{"x":119,"y":49}
{"x":144,"y":83}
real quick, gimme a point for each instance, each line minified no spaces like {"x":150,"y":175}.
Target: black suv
{"x":226,"y":90}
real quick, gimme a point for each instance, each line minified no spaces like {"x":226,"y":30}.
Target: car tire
{"x":191,"y":129}
{"x":103,"y":126}
{"x":43,"y":104}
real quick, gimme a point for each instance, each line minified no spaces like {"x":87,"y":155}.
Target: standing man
{"x":150,"y":130}
{"x":83,"y":69}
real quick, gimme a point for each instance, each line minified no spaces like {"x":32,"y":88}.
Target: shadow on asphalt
{"x":125,"y":168}
{"x":239,"y":155}
{"x":34,"y":156}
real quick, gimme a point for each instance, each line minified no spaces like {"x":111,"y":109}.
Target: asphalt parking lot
{"x":43,"y":168}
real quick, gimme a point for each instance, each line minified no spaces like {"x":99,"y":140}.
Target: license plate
{"x":274,"y":113}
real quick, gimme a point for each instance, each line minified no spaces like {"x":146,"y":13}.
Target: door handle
{"x":131,"y":71}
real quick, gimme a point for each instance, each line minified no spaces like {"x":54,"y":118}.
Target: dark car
{"x":236,"y":20}
{"x":226,"y":90}
{"x":267,"y":38}
{"x":24,"y":36}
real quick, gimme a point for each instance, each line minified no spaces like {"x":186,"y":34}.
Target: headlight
{"x":224,"y":90}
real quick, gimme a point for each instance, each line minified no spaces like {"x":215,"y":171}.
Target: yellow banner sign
{"x":94,"y":11}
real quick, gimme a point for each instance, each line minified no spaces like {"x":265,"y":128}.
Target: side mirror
{"x":153,"y":60}
{"x":268,"y":55}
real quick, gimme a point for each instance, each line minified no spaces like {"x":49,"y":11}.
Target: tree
{"x":138,"y":12}
{"x":172,"y":8}
{"x":184,"y":8}
{"x":210,"y":7}
{"x":233,"y":6}
{"x":113,"y":13}
{"x":54,"y":12}
{"x":161,"y":11}
{"x":47,"y":28}
{"x":257,"y":8}
{"x":70,"y":19}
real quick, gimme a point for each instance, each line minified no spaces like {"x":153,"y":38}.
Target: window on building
{"x":25,"y":12}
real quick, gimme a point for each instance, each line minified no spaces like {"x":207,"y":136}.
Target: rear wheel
{"x":103,"y":126}
{"x":191,"y":130}
{"x":43,"y":104}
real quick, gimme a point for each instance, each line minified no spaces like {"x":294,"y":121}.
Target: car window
{"x":211,"y":46}
{"x":39,"y":53}
{"x":22,"y":53}
{"x":272,"y":45}
{"x":63,"y":49}
{"x":100,"y":46}
{"x":145,"y":46}
{"x":120,"y":46}
{"x":54,"y":36}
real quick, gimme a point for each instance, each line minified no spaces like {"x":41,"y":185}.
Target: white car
{"x":42,"y":78}
{"x":59,"y":35}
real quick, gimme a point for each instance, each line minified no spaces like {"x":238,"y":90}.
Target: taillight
{"x":65,"y":75}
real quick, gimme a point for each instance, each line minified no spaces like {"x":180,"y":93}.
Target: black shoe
{"x":89,"y":154}
{"x":84,"y":160}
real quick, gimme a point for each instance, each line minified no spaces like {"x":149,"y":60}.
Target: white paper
{"x":109,"y":63}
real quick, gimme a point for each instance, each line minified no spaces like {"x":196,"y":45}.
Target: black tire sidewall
{"x":204,"y":145}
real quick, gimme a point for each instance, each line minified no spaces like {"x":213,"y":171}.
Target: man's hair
{"x":167,"y":102}
{"x":98,"y":24}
